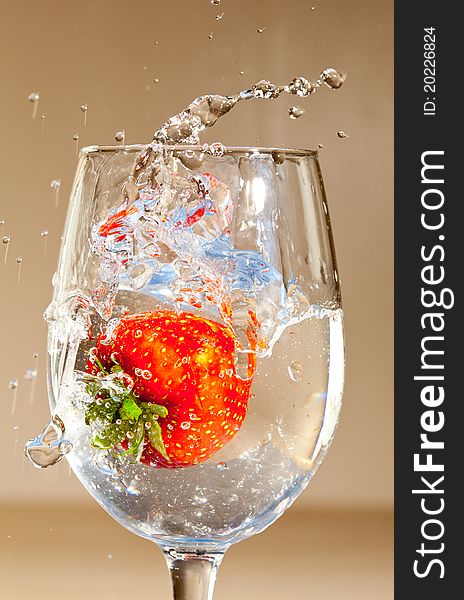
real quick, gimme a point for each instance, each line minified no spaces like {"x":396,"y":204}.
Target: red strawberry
{"x":185,"y":363}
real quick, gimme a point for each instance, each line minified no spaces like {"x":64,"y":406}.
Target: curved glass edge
{"x":293,"y":152}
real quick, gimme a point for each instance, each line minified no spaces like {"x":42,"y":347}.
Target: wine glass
{"x":196,"y":352}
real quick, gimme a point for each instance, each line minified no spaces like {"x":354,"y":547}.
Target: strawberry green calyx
{"x":117,"y":417}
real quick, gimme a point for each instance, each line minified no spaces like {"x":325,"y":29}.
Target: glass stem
{"x":193,"y":574}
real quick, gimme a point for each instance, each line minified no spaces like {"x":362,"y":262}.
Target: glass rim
{"x":299,"y":152}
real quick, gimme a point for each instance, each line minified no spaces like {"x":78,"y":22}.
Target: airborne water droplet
{"x":295,"y":371}
{"x":44,"y":236}
{"x":332,"y":78}
{"x":120,"y":136}
{"x":49,"y":447}
{"x":222,"y":466}
{"x":19,"y":261}
{"x":13,"y":384}
{"x":261,"y":29}
{"x":341,"y":134}
{"x":295,"y":112}
{"x":34,"y":97}
{"x":30,"y":374}
{"x":6,"y":239}
{"x":84,"y":109}
{"x":219,"y":17}
{"x":55,"y":184}
{"x":215,"y":2}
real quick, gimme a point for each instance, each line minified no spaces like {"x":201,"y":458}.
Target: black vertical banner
{"x":429,"y":252}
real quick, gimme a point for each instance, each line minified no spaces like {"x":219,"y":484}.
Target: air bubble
{"x":295,"y":371}
{"x":222,"y":466}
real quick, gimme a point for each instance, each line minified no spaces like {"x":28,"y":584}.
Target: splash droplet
{"x":219,"y":17}
{"x":30,"y":374}
{"x":120,"y":136}
{"x":75,"y":137}
{"x":222,"y":466}
{"x":13,"y":384}
{"x":19,"y":261}
{"x":210,"y":37}
{"x":156,"y":80}
{"x":84,"y":109}
{"x":332,"y":78}
{"x":215,"y":2}
{"x":341,"y":134}
{"x":6,"y":239}
{"x":44,"y":233}
{"x":49,"y":447}
{"x":295,"y":112}
{"x":261,"y":29}
{"x":295,"y":371}
{"x":216,"y":149}
{"x":34,"y":97}
{"x":55,"y":184}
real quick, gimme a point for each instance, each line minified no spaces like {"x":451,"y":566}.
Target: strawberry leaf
{"x":155,"y":409}
{"x":129,"y":410}
{"x":156,"y":439}
{"x":116,"y":416}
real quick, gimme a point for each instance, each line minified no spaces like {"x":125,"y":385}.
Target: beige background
{"x":103,"y":53}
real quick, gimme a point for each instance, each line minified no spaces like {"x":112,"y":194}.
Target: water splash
{"x":49,"y":447}
{"x":205,"y":111}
